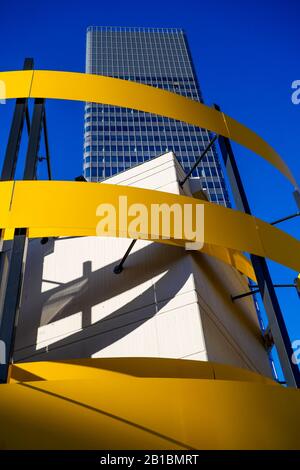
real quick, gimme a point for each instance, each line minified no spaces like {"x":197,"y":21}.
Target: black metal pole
{"x":119,"y":267}
{"x":12,"y":285}
{"x":283,"y":219}
{"x":13,"y":145}
{"x":296,"y":195}
{"x":275,"y":285}
{"x":246,"y":294}
{"x":256,"y":291}
{"x":11,"y":297}
{"x":27,"y":117}
{"x":181,"y":183}
{"x":264,"y":281}
{"x":47,"y":145}
{"x":34,"y":139}
{"x":11,"y":260}
{"x":284,"y":285}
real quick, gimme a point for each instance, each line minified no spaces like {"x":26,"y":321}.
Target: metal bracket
{"x":246,"y":294}
{"x":119,"y":267}
{"x":181,"y":183}
{"x":285,"y":218}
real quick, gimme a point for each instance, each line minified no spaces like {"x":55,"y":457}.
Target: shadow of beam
{"x":109,"y":415}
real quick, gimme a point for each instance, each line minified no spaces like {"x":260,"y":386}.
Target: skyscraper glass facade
{"x":118,"y":138}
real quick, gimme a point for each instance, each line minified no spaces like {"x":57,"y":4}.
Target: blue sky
{"x":246,"y":55}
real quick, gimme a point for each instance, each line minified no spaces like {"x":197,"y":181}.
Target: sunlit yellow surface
{"x":145,"y":403}
{"x":56,"y":208}
{"x":17,"y":84}
{"x":124,"y":93}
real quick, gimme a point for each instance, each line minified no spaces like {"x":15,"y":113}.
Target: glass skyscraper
{"x":118,"y":138}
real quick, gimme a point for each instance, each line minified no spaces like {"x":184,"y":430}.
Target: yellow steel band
{"x":145,"y":403}
{"x":56,"y":208}
{"x":124,"y":93}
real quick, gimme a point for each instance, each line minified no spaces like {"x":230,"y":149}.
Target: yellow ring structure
{"x":141,"y":403}
{"x":56,"y":208}
{"x":117,"y":92}
{"x":145,"y":403}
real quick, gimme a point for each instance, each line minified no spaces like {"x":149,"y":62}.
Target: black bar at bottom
{"x":141,"y":458}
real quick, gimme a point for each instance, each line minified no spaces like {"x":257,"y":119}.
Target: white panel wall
{"x":166,"y":303}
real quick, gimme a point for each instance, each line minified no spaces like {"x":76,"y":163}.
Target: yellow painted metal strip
{"x":232,"y":257}
{"x":93,"y":404}
{"x":56,"y":208}
{"x":117,"y":92}
{"x":93,"y":368}
{"x":17,"y":84}
{"x":273,"y":240}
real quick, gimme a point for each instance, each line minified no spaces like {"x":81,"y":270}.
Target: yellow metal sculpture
{"x":138,"y":403}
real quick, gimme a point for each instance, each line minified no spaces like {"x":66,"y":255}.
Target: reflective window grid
{"x":118,"y":138}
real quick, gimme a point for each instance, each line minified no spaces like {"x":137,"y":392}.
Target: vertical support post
{"x":10,"y":305}
{"x":296,"y":194}
{"x":47,"y":145}
{"x":34,"y":139}
{"x":11,"y":252}
{"x":264,"y":281}
{"x":11,"y":291}
{"x":13,"y":145}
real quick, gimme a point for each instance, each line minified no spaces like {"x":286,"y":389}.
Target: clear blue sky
{"x":246,"y":55}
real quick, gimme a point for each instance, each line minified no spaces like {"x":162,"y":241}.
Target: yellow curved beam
{"x":145,"y":403}
{"x":117,"y":92}
{"x":56,"y":208}
{"x":93,"y":368}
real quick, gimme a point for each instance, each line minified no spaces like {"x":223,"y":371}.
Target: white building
{"x":167,"y":302}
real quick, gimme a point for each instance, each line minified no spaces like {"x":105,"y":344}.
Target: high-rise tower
{"x":118,"y":138}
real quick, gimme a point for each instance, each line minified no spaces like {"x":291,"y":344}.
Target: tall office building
{"x":118,"y":138}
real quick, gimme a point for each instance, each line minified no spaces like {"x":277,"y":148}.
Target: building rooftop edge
{"x":134,"y":29}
